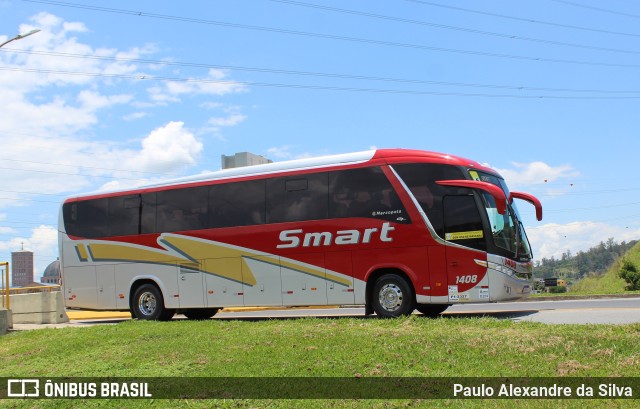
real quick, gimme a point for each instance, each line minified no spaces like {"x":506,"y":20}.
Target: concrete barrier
{"x":5,"y":321}
{"x":38,"y":308}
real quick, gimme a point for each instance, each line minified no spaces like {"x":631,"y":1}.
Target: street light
{"x":19,"y":37}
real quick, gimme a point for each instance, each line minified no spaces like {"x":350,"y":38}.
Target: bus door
{"x":80,"y":287}
{"x":106,"y":286}
{"x":224,"y":282}
{"x":262,"y":282}
{"x":304,"y":283}
{"x":190,"y":285}
{"x":465,"y":250}
{"x":340,"y":288}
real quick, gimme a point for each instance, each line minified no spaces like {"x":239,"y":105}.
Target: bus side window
{"x":364,"y":192}
{"x":124,"y":215}
{"x":298,"y":198}
{"x":148,"y":213}
{"x":182,"y":209}
{"x":237,"y":204}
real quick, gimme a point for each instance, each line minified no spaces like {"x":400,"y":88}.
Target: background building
{"x":21,"y":268}
{"x":51,"y":275}
{"x":241,"y":159}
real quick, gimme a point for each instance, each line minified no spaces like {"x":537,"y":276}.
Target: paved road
{"x":600,"y":311}
{"x":603,"y":311}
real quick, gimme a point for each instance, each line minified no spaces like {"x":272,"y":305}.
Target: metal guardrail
{"x":38,"y":289}
{"x":6,"y":291}
{"x":6,"y":300}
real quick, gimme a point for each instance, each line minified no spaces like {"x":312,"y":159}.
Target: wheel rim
{"x":147,"y":303}
{"x":390,"y":297}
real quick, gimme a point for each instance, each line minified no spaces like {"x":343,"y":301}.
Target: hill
{"x":594,"y":262}
{"x":609,"y":282}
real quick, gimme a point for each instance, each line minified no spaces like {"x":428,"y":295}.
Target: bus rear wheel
{"x":431,"y":310}
{"x":200,"y":313}
{"x":148,"y":304}
{"x":392,"y":296}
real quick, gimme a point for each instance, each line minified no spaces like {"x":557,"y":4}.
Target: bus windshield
{"x":507,"y":229}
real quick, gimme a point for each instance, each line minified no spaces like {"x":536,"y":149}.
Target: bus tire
{"x":200,"y":313}
{"x":431,"y":310}
{"x":148,"y":304}
{"x":392,"y":296}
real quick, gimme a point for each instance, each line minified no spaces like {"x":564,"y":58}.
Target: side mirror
{"x":497,"y":193}
{"x":529,"y":198}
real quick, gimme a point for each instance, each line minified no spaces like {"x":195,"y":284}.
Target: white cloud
{"x":134,"y":116}
{"x":216,"y":124}
{"x":93,"y":101}
{"x":280,"y":152}
{"x":51,"y":122}
{"x":211,"y":105}
{"x":536,"y":173}
{"x":552,"y":239}
{"x":284,"y":153}
{"x":165,"y":149}
{"x":55,"y":130}
{"x":230,"y":120}
{"x":215,"y":83}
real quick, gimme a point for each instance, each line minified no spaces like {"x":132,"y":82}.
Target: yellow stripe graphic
{"x":196,"y":250}
{"x":191,"y":252}
{"x":82,"y":252}
{"x":106,"y":251}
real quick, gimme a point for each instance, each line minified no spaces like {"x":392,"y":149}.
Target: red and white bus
{"x":392,"y":229}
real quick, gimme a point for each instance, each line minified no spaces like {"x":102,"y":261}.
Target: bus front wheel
{"x":148,"y":304}
{"x":392,"y":296}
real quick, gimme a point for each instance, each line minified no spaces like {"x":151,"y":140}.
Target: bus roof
{"x":379,"y":155}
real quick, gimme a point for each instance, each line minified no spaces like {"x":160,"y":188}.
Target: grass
{"x":314,"y":347}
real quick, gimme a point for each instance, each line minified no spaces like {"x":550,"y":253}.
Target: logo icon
{"x":23,"y":388}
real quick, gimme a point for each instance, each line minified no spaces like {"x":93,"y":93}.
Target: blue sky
{"x":111,"y":94}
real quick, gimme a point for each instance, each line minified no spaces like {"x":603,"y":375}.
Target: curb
{"x":79,"y":315}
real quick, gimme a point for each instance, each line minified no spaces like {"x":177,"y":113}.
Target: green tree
{"x":629,"y":273}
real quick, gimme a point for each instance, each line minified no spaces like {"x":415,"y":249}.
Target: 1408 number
{"x":470,"y":279}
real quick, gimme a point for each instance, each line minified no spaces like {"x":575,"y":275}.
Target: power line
{"x":21,"y":222}
{"x":22,"y":228}
{"x":31,"y":193}
{"x":592,"y":208}
{"x":314,"y":74}
{"x":584,"y":6}
{"x":27,"y":200}
{"x":328,"y":36}
{"x":313,"y":87}
{"x":592,"y":192}
{"x":66,"y":173}
{"x":84,"y":167}
{"x":23,"y":144}
{"x":523,"y":19}
{"x":454,"y":28}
